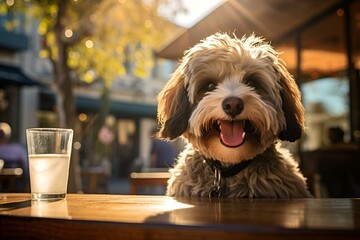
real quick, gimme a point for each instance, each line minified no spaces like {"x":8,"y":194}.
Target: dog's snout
{"x":233,"y":106}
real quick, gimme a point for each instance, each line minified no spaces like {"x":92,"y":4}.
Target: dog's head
{"x":231,"y":98}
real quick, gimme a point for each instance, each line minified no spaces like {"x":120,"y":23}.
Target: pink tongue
{"x":232,"y":133}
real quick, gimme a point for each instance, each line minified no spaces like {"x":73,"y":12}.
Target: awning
{"x":13,"y":41}
{"x":272,"y":19}
{"x":119,"y":108}
{"x":12,"y":75}
{"x":92,"y":105}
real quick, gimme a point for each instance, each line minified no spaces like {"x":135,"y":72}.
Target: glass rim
{"x":50,"y":130}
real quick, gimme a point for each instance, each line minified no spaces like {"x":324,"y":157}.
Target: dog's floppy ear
{"x":292,"y":106}
{"x":173,"y":108}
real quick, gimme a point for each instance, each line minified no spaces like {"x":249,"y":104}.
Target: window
{"x":325,"y":84}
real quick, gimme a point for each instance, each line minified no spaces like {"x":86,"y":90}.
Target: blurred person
{"x":337,"y":141}
{"x":13,"y":154}
{"x":162,"y":153}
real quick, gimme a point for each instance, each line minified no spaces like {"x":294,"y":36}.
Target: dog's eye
{"x":206,"y":87}
{"x":210,"y":87}
{"x":251,"y":83}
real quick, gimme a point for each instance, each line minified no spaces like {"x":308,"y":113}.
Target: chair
{"x":94,"y":179}
{"x":141,"y":179}
{"x":9,"y":177}
{"x":337,"y":171}
{"x":13,"y":164}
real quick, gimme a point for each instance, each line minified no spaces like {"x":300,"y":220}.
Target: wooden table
{"x":98,"y":216}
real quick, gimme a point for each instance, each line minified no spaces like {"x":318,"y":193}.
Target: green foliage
{"x":101,"y":37}
{"x":98,"y":39}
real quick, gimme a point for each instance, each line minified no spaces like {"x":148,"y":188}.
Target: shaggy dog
{"x":232,"y":99}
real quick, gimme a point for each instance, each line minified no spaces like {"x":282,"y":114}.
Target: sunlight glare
{"x":83,"y":117}
{"x":68,"y":33}
{"x":89,"y":43}
{"x":10,"y":2}
{"x":196,"y":10}
{"x":171,"y":205}
{"x":77,"y":145}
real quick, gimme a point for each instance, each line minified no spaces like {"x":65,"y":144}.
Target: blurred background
{"x":97,"y":66}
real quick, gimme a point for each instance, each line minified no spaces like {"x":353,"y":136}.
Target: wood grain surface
{"x":99,"y":216}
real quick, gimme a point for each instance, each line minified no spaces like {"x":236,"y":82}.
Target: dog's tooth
{"x":243,"y":135}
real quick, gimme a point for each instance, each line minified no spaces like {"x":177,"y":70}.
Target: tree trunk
{"x":65,"y":100}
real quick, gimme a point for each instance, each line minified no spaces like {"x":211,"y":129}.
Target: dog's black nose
{"x":233,"y":106}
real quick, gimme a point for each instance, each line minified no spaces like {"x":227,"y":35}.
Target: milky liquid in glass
{"x":49,"y":175}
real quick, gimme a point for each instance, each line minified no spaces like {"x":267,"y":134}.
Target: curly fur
{"x":271,"y":175}
{"x":241,"y":85}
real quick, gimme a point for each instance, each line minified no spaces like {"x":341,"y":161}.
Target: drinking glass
{"x":49,"y":151}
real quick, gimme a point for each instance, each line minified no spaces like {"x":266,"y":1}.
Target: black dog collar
{"x":219,"y":188}
{"x":227,"y":171}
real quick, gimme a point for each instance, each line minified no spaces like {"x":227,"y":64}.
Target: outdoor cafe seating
{"x":154,"y":177}
{"x":332,"y":173}
{"x":10,"y":176}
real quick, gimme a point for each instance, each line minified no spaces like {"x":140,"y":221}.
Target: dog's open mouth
{"x":232,"y":133}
